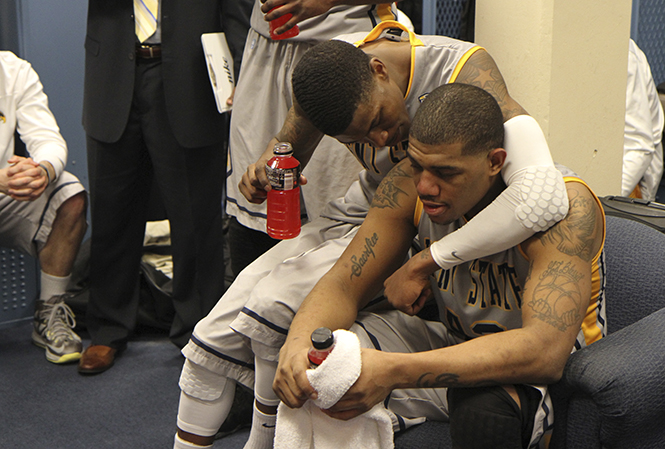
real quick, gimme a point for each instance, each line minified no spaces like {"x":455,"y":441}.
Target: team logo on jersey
{"x":3,"y":119}
{"x":422,"y":97}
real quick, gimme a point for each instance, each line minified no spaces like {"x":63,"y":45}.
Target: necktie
{"x":145,"y":18}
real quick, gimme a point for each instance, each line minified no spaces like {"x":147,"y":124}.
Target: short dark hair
{"x":329,"y":82}
{"x":459,"y":113}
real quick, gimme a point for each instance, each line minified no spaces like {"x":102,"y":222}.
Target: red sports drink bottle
{"x":274,"y":24}
{"x":283,"y":172}
{"x":322,"y":343}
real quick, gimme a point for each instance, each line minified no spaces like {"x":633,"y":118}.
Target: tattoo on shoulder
{"x":359,"y":261}
{"x":481,"y":71}
{"x":388,"y":193}
{"x":575,"y":235}
{"x":557,"y":298}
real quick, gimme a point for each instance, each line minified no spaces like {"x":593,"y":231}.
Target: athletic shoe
{"x":52,"y":330}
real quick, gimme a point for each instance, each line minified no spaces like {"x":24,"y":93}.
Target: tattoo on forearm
{"x":388,"y":194}
{"x":557,"y":298}
{"x":430,"y":380}
{"x":575,"y":234}
{"x":358,"y":262}
{"x":291,"y":132}
{"x":448,"y":380}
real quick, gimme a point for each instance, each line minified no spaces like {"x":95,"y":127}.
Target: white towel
{"x":309,"y":428}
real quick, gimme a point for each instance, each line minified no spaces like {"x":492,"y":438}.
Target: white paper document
{"x":220,"y":67}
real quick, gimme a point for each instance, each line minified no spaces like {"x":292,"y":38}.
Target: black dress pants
{"x":190,"y":182}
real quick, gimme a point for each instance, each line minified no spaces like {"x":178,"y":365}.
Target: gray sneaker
{"x":52,"y":330}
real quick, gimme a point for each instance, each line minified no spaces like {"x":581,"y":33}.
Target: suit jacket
{"x":110,"y":65}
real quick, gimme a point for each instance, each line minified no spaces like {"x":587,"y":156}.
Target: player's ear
{"x":496,"y":158}
{"x":378,"y":68}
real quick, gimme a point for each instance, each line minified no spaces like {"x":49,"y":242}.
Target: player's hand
{"x":254,"y":184}
{"x":26,"y":180}
{"x":373,"y":386}
{"x":301,"y":10}
{"x":291,"y":384}
{"x":408,"y":288}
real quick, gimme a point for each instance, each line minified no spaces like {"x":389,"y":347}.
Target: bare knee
{"x":74,"y":208}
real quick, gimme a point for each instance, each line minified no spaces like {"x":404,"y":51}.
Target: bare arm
{"x":304,"y":138}
{"x":556,"y":297}
{"x":377,"y":250}
{"x":303,"y":9}
{"x":481,"y":71}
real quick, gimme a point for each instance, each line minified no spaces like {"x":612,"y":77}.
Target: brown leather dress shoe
{"x":96,"y":359}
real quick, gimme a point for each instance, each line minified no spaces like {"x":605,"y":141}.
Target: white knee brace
{"x":205,"y":400}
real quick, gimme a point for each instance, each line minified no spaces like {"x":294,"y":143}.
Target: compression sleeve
{"x":534,"y":200}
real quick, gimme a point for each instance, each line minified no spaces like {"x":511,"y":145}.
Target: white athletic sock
{"x":52,"y":285}
{"x":262,"y":434}
{"x":182,"y":444}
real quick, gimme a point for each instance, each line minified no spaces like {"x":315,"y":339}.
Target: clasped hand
{"x":293,"y":388}
{"x":25,"y":179}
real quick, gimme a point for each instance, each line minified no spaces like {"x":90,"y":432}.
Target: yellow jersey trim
{"x":385,"y":12}
{"x":418,"y":212}
{"x":376,"y":32}
{"x":463,"y":61}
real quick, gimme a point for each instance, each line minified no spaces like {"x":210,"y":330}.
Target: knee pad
{"x":201,"y":383}
{"x":205,"y":400}
{"x":490,"y":417}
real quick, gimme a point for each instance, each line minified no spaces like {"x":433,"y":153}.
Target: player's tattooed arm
{"x":390,"y":191}
{"x":556,"y":297}
{"x":299,"y":131}
{"x":576,"y":234}
{"x":558,"y":291}
{"x":481,"y":71}
{"x":449,"y":380}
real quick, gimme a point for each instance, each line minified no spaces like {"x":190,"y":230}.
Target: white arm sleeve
{"x":534,"y":200}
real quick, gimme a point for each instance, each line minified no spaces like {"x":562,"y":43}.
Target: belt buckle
{"x":147,"y":48}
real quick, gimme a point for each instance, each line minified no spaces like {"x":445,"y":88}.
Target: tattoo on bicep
{"x":556,"y":297}
{"x":388,"y":193}
{"x":359,"y":261}
{"x":575,"y":234}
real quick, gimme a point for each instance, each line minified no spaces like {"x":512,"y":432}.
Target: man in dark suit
{"x":150,"y":117}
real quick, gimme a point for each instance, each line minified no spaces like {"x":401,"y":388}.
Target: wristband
{"x":48,"y":174}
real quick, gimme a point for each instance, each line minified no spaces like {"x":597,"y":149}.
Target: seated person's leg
{"x":262,"y":433}
{"x":276,"y":298}
{"x":50,"y":228}
{"x":205,"y":401}
{"x":491,"y":417}
{"x":53,"y":318}
{"x":479,"y":417}
{"x":217,"y":348}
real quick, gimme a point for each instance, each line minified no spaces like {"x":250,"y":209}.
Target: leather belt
{"x":144,"y":51}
